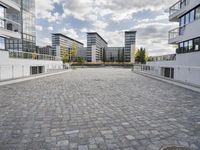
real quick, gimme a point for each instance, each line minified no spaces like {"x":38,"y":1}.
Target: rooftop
{"x":67,"y":37}
{"x":98,"y":35}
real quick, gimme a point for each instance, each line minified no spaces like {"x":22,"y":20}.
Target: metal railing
{"x":34,"y":56}
{"x":174,"y":33}
{"x":177,"y":6}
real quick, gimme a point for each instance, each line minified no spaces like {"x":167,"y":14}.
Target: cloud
{"x":70,"y":32}
{"x":39,"y":28}
{"x":50,"y":28}
{"x":106,"y":18}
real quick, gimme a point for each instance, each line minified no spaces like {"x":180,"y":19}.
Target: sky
{"x":110,"y":18}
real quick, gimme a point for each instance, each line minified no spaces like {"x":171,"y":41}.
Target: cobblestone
{"x":101,"y":108}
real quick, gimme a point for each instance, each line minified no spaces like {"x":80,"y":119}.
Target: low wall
{"x":15,"y":68}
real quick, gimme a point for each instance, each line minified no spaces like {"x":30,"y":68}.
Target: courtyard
{"x":98,"y":108}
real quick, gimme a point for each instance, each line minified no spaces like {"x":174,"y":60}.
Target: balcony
{"x":11,"y":29}
{"x":175,"y":34}
{"x":12,"y":3}
{"x":175,"y":10}
{"x":33,"y":56}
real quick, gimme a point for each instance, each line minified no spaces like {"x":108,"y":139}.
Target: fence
{"x":185,"y":74}
{"x":27,"y":55}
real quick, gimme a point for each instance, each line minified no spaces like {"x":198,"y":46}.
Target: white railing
{"x":35,"y":56}
{"x":177,"y":6}
{"x":175,"y":33}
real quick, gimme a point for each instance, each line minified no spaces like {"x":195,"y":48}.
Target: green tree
{"x":141,"y":56}
{"x":65,"y":58}
{"x":122,"y":56}
{"x":73,"y":51}
{"x":118,"y":56}
{"x":80,"y":60}
{"x":104,"y":55}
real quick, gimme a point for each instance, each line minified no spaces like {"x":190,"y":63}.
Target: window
{"x":180,"y":48}
{"x":182,"y":21}
{"x":192,"y":16}
{"x":190,"y":46}
{"x":187,"y":18}
{"x":2,"y":43}
{"x":197,"y":44}
{"x":2,"y":11}
{"x":197,"y":13}
{"x":186,"y":47}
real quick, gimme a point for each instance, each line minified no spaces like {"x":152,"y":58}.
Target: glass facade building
{"x":26,"y":18}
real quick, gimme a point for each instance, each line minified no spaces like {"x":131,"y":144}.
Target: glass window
{"x":192,"y":16}
{"x":197,"y":44}
{"x":2,"y":43}
{"x":187,"y":18}
{"x":186,"y":47}
{"x":190,"y":45}
{"x":2,"y":12}
{"x":197,"y":13}
{"x":182,"y":21}
{"x":180,"y":47}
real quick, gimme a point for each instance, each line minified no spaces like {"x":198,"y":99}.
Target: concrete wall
{"x":15,"y":68}
{"x":186,"y":67}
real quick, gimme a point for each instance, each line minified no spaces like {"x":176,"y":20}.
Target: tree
{"x":104,"y":55}
{"x":141,"y":56}
{"x":73,"y":51}
{"x":65,"y":58}
{"x":80,"y":60}
{"x":118,"y":56}
{"x":122,"y":56}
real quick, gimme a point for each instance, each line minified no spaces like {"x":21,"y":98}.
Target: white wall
{"x":15,"y":68}
{"x":186,"y":67}
{"x":94,"y":53}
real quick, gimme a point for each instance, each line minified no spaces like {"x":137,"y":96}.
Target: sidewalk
{"x":13,"y":81}
{"x":170,"y":81}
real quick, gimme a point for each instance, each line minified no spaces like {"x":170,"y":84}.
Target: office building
{"x":46,"y":50}
{"x":95,"y":47}
{"x":115,"y":54}
{"x":130,"y":40}
{"x":186,"y":67}
{"x":63,"y":44}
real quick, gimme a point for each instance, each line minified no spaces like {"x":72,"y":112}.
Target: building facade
{"x":63,"y":44}
{"x":18,"y":57}
{"x":130,"y":42}
{"x":186,"y":67}
{"x":115,"y":54}
{"x":95,"y":47}
{"x":46,"y":50}
{"x":20,"y":18}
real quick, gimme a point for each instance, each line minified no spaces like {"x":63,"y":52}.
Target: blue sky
{"x":110,"y":18}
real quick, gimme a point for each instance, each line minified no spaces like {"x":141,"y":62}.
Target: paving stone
{"x":63,"y":143}
{"x":130,"y":137}
{"x":98,"y":108}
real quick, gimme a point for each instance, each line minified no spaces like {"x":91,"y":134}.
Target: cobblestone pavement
{"x":98,"y":109}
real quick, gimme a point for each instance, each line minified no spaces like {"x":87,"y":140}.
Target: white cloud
{"x":100,"y":24}
{"x":70,"y":32}
{"x":39,"y":28}
{"x":50,"y":28}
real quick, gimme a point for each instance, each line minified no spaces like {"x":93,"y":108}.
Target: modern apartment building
{"x":186,"y":37}
{"x":95,"y":47}
{"x":130,"y":41}
{"x":63,"y":44}
{"x":46,"y":50}
{"x":18,"y":57}
{"x":115,"y":54}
